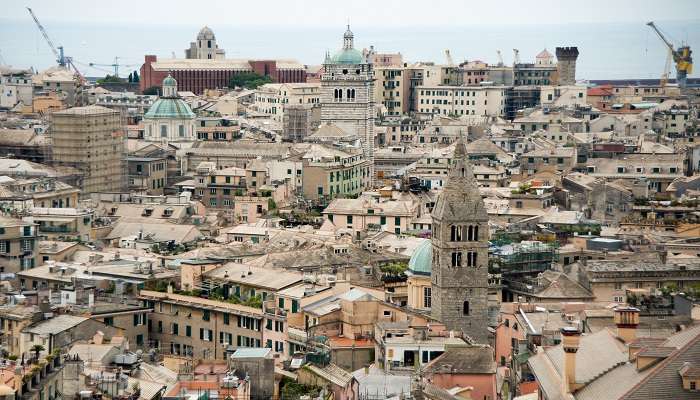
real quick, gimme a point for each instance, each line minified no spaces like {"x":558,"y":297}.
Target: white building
{"x":457,"y":101}
{"x":169,"y":119}
{"x":272,"y":98}
{"x":15,"y":87}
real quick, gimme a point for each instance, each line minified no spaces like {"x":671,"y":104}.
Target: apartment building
{"x":203,"y":328}
{"x":330,"y":173}
{"x":23,"y":194}
{"x":272,"y":98}
{"x":91,"y":139}
{"x":392,"y":89}
{"x":457,"y":101}
{"x":363,"y":214}
{"x":658,"y":170}
{"x":562,"y":159}
{"x":63,"y":223}
{"x":18,"y":245}
{"x":147,"y":175}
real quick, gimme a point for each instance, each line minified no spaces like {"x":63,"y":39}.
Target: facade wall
{"x":460,"y":100}
{"x":18,"y":246}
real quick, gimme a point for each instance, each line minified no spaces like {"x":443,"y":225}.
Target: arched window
{"x":476,"y":232}
{"x":349,"y":94}
{"x":340,"y":94}
{"x":353,"y":94}
{"x":470,"y":233}
{"x":465,"y":308}
{"x":335,"y":94}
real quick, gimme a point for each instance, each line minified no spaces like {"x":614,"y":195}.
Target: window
{"x":455,"y":233}
{"x":163,"y":131}
{"x":226,"y":318}
{"x":139,"y":319}
{"x":471,"y":259}
{"x":465,"y":308}
{"x":205,"y":315}
{"x":175,"y":329}
{"x":181,"y":130}
{"x":188,"y":331}
{"x":618,"y":286}
{"x":456,"y":259}
{"x":109,"y":321}
{"x":349,"y":219}
{"x":427,"y":297}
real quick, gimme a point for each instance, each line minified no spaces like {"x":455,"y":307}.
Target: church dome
{"x":169,"y":81}
{"x":348,"y":56}
{"x":169,"y":108}
{"x":421,"y":262}
{"x":205,"y":33}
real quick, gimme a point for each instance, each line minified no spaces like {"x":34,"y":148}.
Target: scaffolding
{"x":527,"y":257}
{"x":91,"y":139}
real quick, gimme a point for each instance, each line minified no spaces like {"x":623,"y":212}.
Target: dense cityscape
{"x":371,"y":227}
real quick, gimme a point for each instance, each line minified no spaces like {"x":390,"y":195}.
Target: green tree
{"x":37,"y":348}
{"x":131,"y":77}
{"x":110,"y":79}
{"x":248,"y":80}
{"x":136,"y":77}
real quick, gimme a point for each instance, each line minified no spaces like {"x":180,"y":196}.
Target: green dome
{"x":169,"y":108}
{"x":348,"y":56}
{"x":169,"y":81}
{"x":421,"y":262}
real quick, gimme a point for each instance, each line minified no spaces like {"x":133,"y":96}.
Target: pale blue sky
{"x":375,"y":13}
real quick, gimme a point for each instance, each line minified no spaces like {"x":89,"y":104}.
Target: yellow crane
{"x":681,"y":56}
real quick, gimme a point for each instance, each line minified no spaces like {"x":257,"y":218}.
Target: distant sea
{"x":607,"y":51}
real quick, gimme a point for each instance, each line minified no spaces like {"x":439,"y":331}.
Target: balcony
{"x":56,"y":229}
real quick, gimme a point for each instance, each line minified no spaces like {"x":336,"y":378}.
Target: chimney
{"x":570,"y":338}
{"x":627,"y":320}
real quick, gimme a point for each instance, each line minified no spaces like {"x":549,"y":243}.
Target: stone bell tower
{"x":460,"y":252}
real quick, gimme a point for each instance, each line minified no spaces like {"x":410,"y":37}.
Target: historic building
{"x":460,"y":252}
{"x":347,"y":95}
{"x":169,"y":119}
{"x":205,"y":46}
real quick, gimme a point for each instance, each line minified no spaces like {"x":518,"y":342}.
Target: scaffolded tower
{"x":93,"y":140}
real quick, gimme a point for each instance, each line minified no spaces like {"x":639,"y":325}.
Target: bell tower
{"x":460,"y":252}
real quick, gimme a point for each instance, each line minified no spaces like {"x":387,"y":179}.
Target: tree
{"x":153,"y":90}
{"x":136,"y":76}
{"x":248,"y":80}
{"x":37,"y":348}
{"x":131,"y":77}
{"x":110,"y":79}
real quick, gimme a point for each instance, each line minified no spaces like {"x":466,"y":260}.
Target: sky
{"x":613,"y":41}
{"x":360,"y":13}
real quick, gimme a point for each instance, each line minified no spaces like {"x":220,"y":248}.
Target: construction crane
{"x":114,"y":65}
{"x":681,"y":56}
{"x":667,"y":69}
{"x":516,"y":56}
{"x":500,"y":58}
{"x":62,"y":60}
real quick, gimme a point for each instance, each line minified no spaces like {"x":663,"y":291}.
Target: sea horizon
{"x":607,"y":50}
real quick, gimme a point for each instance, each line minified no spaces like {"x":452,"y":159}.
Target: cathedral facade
{"x":347,"y":95}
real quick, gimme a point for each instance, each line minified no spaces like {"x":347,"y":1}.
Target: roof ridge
{"x":664,"y":362}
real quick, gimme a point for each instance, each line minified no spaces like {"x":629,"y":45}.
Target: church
{"x":169,"y":119}
{"x":347,"y":95}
